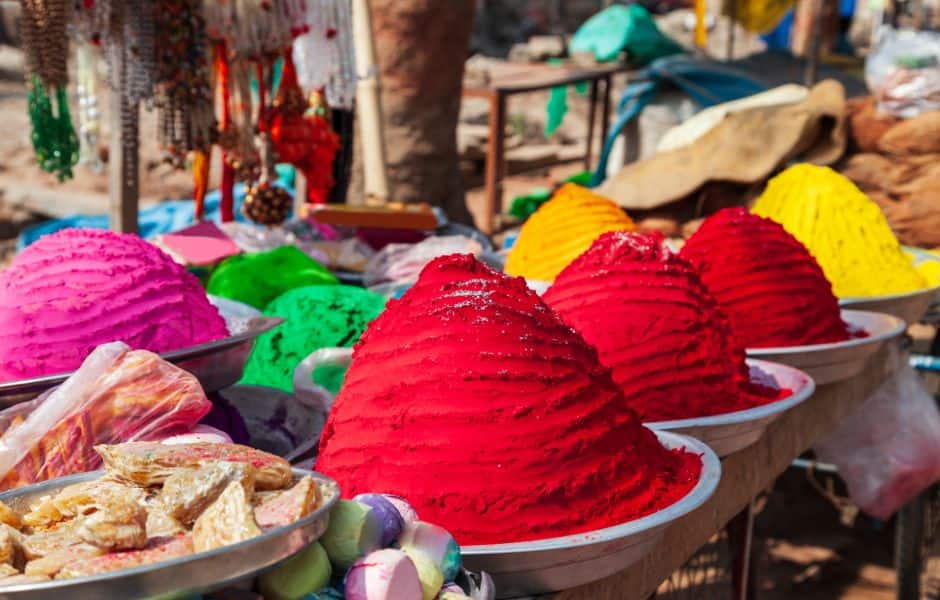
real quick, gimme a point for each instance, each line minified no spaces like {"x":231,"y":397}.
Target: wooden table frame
{"x":745,"y":474}
{"x":536,"y":78}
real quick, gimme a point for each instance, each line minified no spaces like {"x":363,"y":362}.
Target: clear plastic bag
{"x":903,"y":71}
{"x":888,"y":451}
{"x":117,"y":395}
{"x":403,"y":262}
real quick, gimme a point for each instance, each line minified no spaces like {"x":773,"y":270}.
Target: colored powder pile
{"x":76,"y":289}
{"x":471,"y":398}
{"x":259,"y":278}
{"x":318,"y":316}
{"x":842,"y":228}
{"x":561,"y":229}
{"x":765,"y":281}
{"x":654,"y":323}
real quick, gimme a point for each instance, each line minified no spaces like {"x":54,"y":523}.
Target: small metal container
{"x":730,"y":432}
{"x":555,"y":564}
{"x":179,"y":577}
{"x":828,"y":363}
{"x":216,"y":364}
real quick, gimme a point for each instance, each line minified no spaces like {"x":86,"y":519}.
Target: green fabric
{"x":259,"y":278}
{"x":623,"y":28}
{"x":318,"y":316}
{"x":556,"y":109}
{"x":523,"y":206}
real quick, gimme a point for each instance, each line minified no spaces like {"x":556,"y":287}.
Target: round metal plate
{"x":828,"y":363}
{"x":184,"y":576}
{"x":910,"y":307}
{"x":559,"y":563}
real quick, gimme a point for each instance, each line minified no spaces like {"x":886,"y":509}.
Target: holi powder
{"x":766,"y":282}
{"x":75,"y":289}
{"x":259,"y":278}
{"x":317,"y":316}
{"x":842,"y":228}
{"x":472,"y":399}
{"x":561,"y":229}
{"x":654,"y":323}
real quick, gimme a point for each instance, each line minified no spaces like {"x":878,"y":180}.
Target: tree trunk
{"x":421,"y":46}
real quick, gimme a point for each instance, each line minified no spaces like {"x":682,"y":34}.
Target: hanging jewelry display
{"x":324,"y":53}
{"x":301,"y":134}
{"x":183,"y":94}
{"x":43,"y":25}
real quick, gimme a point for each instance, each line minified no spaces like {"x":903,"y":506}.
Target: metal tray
{"x":828,"y":363}
{"x":559,"y":563}
{"x":216,"y":364}
{"x":730,"y":432}
{"x":911,"y":307}
{"x":184,"y":576}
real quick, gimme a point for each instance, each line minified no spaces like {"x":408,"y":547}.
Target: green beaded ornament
{"x":54,"y":138}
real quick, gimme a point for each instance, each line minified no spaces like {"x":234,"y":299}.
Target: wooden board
{"x":744,"y":475}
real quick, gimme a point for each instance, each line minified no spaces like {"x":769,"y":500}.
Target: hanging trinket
{"x":89,"y":116}
{"x":183,"y":95}
{"x":301,"y":134}
{"x":43,"y":28}
{"x":265,"y":203}
{"x":324,"y":53}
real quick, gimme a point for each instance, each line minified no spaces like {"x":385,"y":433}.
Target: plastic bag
{"x":903,"y":71}
{"x":623,"y":28}
{"x":403,"y":262}
{"x":117,"y":395}
{"x":888,"y":451}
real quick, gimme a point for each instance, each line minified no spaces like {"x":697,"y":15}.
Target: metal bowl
{"x":827,"y":363}
{"x":230,"y":309}
{"x":184,"y":576}
{"x":730,"y":432}
{"x":554,"y":564}
{"x":910,"y":307}
{"x":216,"y":364}
{"x":538,"y":286}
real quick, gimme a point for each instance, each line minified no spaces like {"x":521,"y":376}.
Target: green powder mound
{"x":259,"y":278}
{"x":314,"y":317}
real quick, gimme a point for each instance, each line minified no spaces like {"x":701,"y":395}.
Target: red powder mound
{"x":765,"y":280}
{"x":654,"y":323}
{"x":470,"y":398}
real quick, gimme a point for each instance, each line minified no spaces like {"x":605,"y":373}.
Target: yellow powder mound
{"x":843,"y":229}
{"x":561,"y":229}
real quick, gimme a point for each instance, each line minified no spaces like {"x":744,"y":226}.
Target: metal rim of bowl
{"x":262,"y":325}
{"x":850,"y":316}
{"x":221,"y":303}
{"x":697,"y":496}
{"x":850,"y":300}
{"x":63,"y":584}
{"x":751,"y":414}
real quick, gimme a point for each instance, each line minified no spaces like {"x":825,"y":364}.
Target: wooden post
{"x":494,"y":161}
{"x":592,"y":111}
{"x":124,"y":175}
{"x":369,"y":106}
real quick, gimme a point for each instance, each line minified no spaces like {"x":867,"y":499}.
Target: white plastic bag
{"x":403,"y":262}
{"x":888,"y":451}
{"x":903,"y":71}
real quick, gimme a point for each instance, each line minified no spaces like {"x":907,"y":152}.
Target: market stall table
{"x":511,"y":80}
{"x":745,"y":474}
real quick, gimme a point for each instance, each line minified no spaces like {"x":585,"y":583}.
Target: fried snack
{"x":41,"y":543}
{"x":161,"y":550}
{"x":21,"y":579}
{"x":80,"y":499}
{"x":152,"y":463}
{"x":288,"y":506}
{"x":11,"y":545}
{"x":188,"y":492}
{"x":159,"y":523}
{"x":117,"y":525}
{"x":228,"y":520}
{"x":7,"y":571}
{"x":50,"y":564}
{"x":10,"y":517}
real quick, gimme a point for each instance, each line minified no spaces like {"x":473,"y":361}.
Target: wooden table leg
{"x":495,"y":161}
{"x":592,"y":111}
{"x":605,"y":110}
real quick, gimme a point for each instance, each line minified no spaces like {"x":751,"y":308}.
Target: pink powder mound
{"x":77,"y":288}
